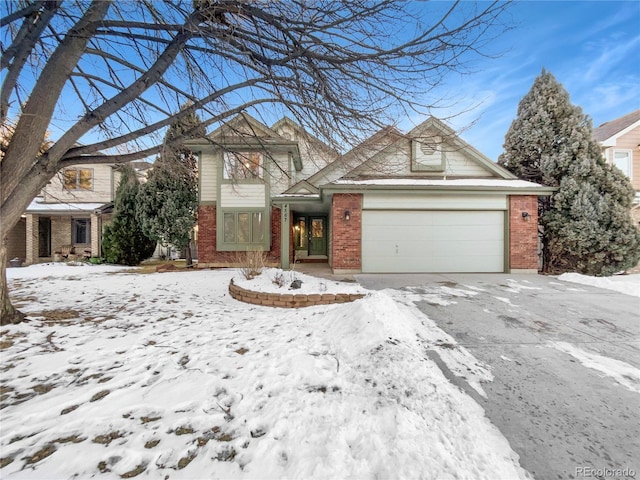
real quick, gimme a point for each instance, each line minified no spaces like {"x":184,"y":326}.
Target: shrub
{"x":250,"y":263}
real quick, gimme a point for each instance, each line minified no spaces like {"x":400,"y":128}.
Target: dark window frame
{"x":86,"y":234}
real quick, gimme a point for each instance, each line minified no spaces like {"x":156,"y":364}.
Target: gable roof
{"x":303,"y":187}
{"x":430,"y":127}
{"x":238,"y":126}
{"x":609,"y":131}
{"x":356,"y":156}
{"x":244,"y":131}
{"x":317,"y":143}
{"x":433,"y":123}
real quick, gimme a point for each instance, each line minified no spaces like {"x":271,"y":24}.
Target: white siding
{"x":208,"y":177}
{"x":279,"y":181}
{"x":458,"y":164}
{"x":382,"y":201}
{"x":432,"y":241}
{"x":243,"y":195}
{"x":101,"y":191}
{"x":396,"y":161}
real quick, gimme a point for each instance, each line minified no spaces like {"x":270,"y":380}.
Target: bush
{"x":250,"y":263}
{"x":123,"y":241}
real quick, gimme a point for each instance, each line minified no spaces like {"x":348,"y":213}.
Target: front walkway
{"x":321,"y":270}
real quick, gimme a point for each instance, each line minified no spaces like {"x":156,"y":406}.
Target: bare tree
{"x":102,"y":74}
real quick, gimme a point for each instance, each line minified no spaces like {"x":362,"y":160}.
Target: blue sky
{"x":591,"y":47}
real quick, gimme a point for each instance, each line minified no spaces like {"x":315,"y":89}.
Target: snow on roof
{"x":38,"y":206}
{"x":467,"y":182}
{"x":300,"y":195}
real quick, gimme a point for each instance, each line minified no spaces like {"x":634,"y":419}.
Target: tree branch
{"x":36,"y":117}
{"x":124,"y":97}
{"x":19,"y":52}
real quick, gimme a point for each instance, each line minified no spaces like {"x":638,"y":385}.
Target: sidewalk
{"x":321,"y":270}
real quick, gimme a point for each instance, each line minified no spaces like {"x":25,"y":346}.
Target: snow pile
{"x":166,"y":376}
{"x":627,"y":284}
{"x":275,"y":280}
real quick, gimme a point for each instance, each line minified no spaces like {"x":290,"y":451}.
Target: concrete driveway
{"x":565,"y":360}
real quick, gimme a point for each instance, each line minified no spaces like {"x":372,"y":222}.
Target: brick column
{"x":523,"y":233}
{"x":32,"y":239}
{"x":206,"y":234}
{"x":346,"y":245}
{"x":96,"y":236}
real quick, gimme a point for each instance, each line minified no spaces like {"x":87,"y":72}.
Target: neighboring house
{"x":68,"y":217}
{"x":620,"y":142}
{"x":422,"y":202}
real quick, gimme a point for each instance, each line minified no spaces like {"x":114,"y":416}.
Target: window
{"x":622,"y":160}
{"x":78,"y":179}
{"x":244,"y":228}
{"x":427,"y":155}
{"x":300,"y":234}
{"x":243,"y":165}
{"x":81,"y":230}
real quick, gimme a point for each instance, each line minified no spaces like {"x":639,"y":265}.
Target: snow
{"x":38,"y":206}
{"x":275,"y":280}
{"x":623,"y":373}
{"x":166,"y":373}
{"x":466,"y":182}
{"x":627,"y":284}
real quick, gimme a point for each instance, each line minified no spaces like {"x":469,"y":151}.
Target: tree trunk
{"x":188,"y":256}
{"x":8,"y":313}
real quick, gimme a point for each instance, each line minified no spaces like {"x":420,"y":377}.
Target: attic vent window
{"x":427,"y":155}
{"x":428,"y":148}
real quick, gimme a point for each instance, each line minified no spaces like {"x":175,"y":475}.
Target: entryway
{"x":44,"y":237}
{"x":310,"y":237}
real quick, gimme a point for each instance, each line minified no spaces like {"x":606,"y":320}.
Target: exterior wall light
{"x":525,"y":216}
{"x":347,"y":215}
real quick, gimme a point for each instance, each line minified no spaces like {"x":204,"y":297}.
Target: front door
{"x":44,"y":237}
{"x":317,"y":236}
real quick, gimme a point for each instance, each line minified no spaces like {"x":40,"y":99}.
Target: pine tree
{"x":123,"y":240}
{"x":586,"y":222}
{"x":168,"y":201}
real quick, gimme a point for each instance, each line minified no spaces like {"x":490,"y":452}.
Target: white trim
{"x":629,"y":153}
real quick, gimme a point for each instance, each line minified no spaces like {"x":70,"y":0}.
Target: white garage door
{"x":432,"y":241}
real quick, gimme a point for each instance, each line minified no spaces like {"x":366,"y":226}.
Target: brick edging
{"x":290,"y":300}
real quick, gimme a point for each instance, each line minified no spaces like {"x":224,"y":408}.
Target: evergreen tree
{"x":586,"y":222}
{"x":168,"y":201}
{"x":123,"y":240}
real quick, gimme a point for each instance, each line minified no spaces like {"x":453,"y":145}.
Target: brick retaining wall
{"x":290,"y":300}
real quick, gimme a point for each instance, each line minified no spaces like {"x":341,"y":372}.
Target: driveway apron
{"x":565,"y":360}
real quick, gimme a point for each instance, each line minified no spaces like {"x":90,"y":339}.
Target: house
{"x":425,"y":201}
{"x":68,"y":217}
{"x":620,"y":143}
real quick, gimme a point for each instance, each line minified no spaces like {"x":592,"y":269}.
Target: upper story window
{"x":622,"y":160}
{"x":78,"y":179}
{"x":243,"y":165}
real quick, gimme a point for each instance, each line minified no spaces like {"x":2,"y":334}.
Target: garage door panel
{"x":432,"y":241}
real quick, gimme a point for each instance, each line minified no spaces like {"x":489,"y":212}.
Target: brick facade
{"x":346,"y":245}
{"x":208,"y":255}
{"x":523,"y":233}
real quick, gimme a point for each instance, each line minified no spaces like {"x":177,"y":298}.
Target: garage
{"x":443,"y":241}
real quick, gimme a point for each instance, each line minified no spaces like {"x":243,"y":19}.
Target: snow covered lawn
{"x":166,"y":376}
{"x":627,"y":284}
